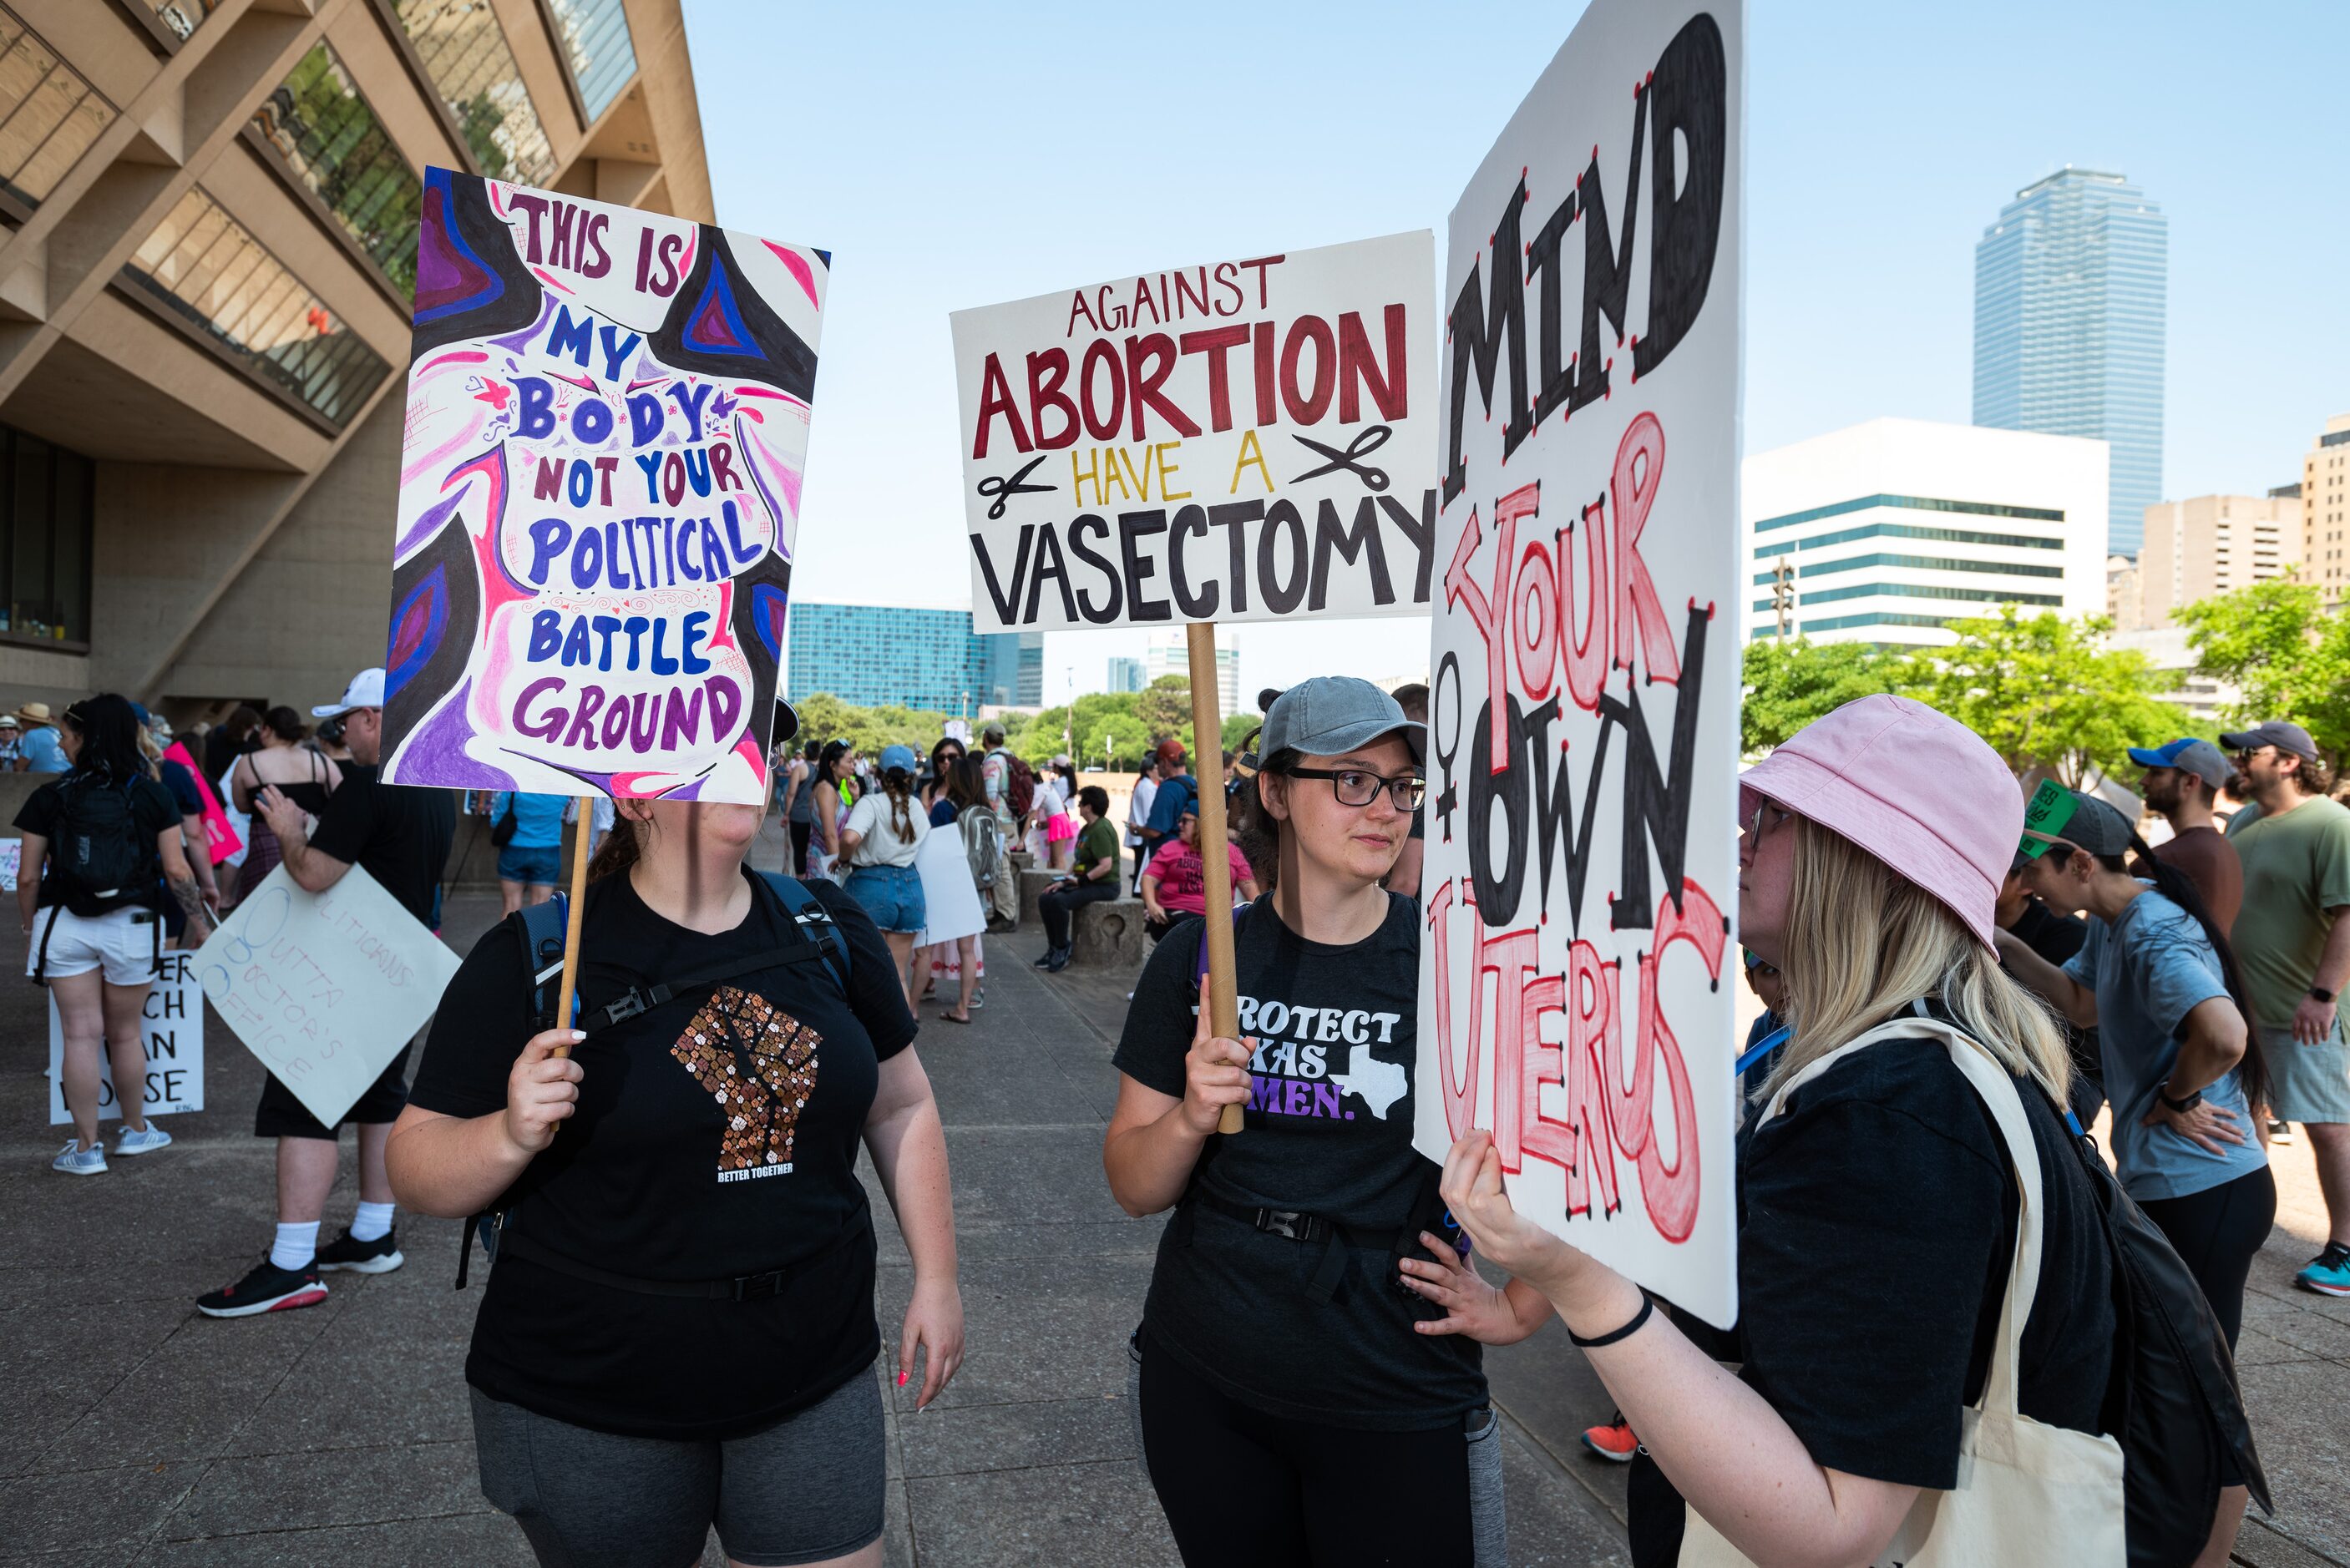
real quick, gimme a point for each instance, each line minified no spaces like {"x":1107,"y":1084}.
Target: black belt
{"x":741,"y":1288}
{"x":1297,"y":1225}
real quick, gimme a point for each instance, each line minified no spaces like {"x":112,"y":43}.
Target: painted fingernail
{"x":901,"y":1381}
{"x":579,"y":1034}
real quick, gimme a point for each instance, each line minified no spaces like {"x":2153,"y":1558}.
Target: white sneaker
{"x":79,"y":1161}
{"x":145,"y":1142}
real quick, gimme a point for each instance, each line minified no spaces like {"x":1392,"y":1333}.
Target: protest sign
{"x":1576,"y":985}
{"x":173,"y":1037}
{"x":1229,"y":442}
{"x":599,"y":487}
{"x":950,"y":899}
{"x":222,"y":839}
{"x":12,"y":857}
{"x":324,"y":988}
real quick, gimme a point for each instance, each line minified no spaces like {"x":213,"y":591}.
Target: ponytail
{"x":2175,"y":884}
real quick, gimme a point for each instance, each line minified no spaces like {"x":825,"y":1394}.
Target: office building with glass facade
{"x":2070,"y":288}
{"x":1890,"y":530}
{"x":894,"y":656}
{"x":208,"y":218}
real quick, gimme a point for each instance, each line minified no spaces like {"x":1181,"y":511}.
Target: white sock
{"x":372,"y":1224}
{"x":295,"y":1246}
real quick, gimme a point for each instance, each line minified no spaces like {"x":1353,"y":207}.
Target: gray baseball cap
{"x":2055,"y":815}
{"x":2282,"y":733}
{"x":1334,"y":713}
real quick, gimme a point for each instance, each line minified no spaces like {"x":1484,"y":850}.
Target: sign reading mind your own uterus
{"x":608,"y":422}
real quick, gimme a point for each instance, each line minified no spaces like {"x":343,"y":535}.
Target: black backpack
{"x":98,"y":856}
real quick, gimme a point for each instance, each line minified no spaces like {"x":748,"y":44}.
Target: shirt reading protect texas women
{"x":1328,"y":1133}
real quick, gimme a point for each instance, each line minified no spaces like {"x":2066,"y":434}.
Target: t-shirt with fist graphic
{"x":716,"y":1136}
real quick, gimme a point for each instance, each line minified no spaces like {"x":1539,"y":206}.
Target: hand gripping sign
{"x":1223,"y":442}
{"x":608,"y":420}
{"x":1581,"y":866}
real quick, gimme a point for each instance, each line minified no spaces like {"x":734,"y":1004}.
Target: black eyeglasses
{"x":1360,"y":786}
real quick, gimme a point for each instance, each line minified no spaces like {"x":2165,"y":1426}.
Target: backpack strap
{"x":814,"y":921}
{"x":543,"y":929}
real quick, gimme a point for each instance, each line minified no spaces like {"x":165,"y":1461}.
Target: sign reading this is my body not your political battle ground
{"x":1577,"y":972}
{"x":608,"y":422}
{"x":1226,"y":441}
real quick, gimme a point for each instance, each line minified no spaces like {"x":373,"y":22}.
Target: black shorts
{"x":280,"y":1115}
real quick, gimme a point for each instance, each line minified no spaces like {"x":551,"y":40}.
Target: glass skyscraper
{"x":927,"y":659}
{"x":2069,"y":306}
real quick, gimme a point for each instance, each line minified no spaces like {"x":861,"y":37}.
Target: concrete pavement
{"x":138,"y":1432}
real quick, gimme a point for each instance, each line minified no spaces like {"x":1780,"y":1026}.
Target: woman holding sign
{"x":679,"y":1326}
{"x":1880,"y":1194}
{"x":1293,"y":1409}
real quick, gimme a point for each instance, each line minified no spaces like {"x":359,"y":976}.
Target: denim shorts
{"x":892,"y":895}
{"x":540,"y":864}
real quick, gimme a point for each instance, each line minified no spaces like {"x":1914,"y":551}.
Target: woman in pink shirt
{"x":1175,"y":883}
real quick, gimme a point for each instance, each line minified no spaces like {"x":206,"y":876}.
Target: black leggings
{"x":801,"y":833}
{"x":2217,"y":1230}
{"x":1058,"y":906}
{"x":1244,"y":1490}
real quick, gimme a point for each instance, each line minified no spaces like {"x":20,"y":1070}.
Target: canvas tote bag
{"x":2029,"y":1495}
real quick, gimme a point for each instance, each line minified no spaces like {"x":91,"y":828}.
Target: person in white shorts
{"x":100,"y":844}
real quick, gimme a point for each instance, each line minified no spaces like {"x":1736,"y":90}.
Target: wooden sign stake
{"x":1216,"y":872}
{"x":580,"y":834}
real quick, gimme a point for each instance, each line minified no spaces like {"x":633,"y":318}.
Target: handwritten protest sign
{"x":599,"y":489}
{"x":324,"y":988}
{"x":173,"y":1036}
{"x":949,"y":898}
{"x":12,"y":858}
{"x":1577,"y":982}
{"x":1227,"y":441}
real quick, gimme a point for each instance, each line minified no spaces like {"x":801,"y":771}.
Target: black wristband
{"x":1639,"y":1321}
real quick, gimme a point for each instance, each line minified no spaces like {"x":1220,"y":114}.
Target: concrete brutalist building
{"x":208,"y":213}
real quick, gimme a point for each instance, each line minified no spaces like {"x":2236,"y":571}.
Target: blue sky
{"x":952,"y":156}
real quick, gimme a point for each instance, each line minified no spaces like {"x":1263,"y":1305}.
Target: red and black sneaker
{"x":1613,"y":1442}
{"x":267,"y":1288}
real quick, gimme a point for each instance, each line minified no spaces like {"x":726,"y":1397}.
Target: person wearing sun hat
{"x":40,"y":751}
{"x":2182,"y":783}
{"x":1880,"y":1203}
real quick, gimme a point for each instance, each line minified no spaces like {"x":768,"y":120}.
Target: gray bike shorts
{"x":806,"y":1490}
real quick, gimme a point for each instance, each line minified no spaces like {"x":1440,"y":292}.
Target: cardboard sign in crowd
{"x":607,"y":421}
{"x":1576,"y":979}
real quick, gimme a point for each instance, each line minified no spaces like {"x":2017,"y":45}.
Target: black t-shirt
{"x":1876,"y":1224}
{"x":181,"y":785}
{"x":152,"y":813}
{"x":666,"y":1173}
{"x":1329,"y":1133}
{"x":397,"y":834}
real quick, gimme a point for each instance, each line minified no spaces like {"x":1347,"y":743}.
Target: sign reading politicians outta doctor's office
{"x":1579,"y":973}
{"x":607,"y":421}
{"x":1223,"y":442}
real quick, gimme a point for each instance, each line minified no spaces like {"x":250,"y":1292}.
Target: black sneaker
{"x":1046,"y":962}
{"x":267,"y":1288}
{"x":380,"y":1256}
{"x":1058,"y":961}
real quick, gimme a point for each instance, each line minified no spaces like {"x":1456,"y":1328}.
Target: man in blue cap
{"x":2182,"y":783}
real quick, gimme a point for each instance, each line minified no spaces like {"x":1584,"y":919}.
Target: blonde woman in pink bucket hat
{"x":1879,"y":1206}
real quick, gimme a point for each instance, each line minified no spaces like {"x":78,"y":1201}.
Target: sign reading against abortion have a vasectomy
{"x":1232,"y":441}
{"x":171,"y":1037}
{"x":607,"y":421}
{"x":1577,"y":980}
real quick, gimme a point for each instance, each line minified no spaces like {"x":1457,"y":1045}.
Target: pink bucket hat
{"x":1914,"y":787}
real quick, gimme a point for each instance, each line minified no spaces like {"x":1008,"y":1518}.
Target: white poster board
{"x":1578,"y":977}
{"x":1231,"y":441}
{"x":174,"y":1039}
{"x":324,"y":988}
{"x":949,"y":898}
{"x":12,"y":855}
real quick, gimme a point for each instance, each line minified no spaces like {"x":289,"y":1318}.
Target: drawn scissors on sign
{"x":1365,"y":443}
{"x":1003,"y":490}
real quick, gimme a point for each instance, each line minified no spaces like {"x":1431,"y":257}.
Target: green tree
{"x":1166,"y":708}
{"x":2045,"y":691}
{"x":2274,"y":642}
{"x":1791,"y":681}
{"x":1237,"y":727}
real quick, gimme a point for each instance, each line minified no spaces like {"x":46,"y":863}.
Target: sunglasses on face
{"x":1360,"y":786}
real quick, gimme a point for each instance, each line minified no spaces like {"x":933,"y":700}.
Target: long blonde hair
{"x":1863,"y":942}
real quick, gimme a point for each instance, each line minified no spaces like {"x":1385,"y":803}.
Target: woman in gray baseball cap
{"x":1279,"y":1336}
